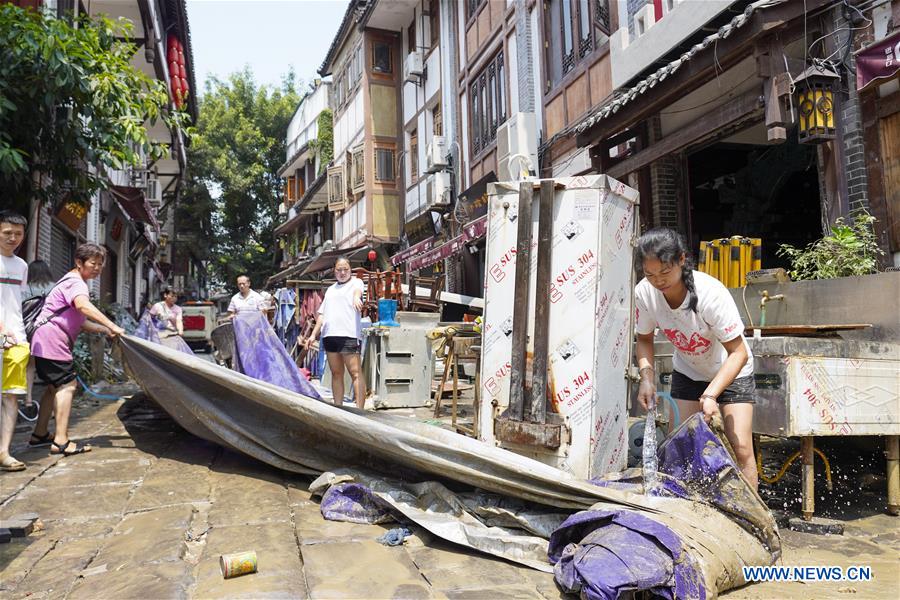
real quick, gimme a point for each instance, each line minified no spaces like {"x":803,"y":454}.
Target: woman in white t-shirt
{"x":339,"y":322}
{"x":712,"y":364}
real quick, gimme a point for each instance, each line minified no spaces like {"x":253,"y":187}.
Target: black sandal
{"x":57,"y":449}
{"x":42,"y":440}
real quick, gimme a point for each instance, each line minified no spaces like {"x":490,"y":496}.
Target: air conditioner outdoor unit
{"x":138,"y":177}
{"x":325,"y":247}
{"x":436,"y":154}
{"x":517,"y":143}
{"x":154,"y":192}
{"x":438,"y":190}
{"x":414,"y":68}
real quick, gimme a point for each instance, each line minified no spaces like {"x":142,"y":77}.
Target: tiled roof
{"x":660,"y":74}
{"x":356,"y":10}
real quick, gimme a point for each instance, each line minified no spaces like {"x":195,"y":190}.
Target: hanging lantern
{"x":177,"y":92}
{"x":815,"y":105}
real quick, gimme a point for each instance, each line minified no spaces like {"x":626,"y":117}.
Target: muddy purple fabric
{"x":604,"y":553}
{"x":355,"y":503}
{"x":260,"y":354}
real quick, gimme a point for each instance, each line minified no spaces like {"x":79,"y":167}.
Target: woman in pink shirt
{"x":67,"y":311}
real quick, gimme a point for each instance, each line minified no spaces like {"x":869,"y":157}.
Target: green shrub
{"x":850,"y":249}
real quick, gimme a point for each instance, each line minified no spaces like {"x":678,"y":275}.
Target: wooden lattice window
{"x":337,"y":195}
{"x":488,"y":103}
{"x":358,"y":168}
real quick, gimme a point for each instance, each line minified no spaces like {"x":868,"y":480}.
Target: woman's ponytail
{"x":687,"y":276}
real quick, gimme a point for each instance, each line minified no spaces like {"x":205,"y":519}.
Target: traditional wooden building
{"x":135,"y":218}
{"x":308,"y":222}
{"x":713,"y":119}
{"x":364,"y":185}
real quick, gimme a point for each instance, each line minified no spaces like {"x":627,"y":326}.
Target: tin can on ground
{"x":237,"y":564}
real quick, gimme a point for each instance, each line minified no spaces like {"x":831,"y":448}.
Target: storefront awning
{"x":326,"y":260}
{"x":287,"y":273}
{"x":158,"y":272}
{"x":880,"y":60}
{"x":472,"y":231}
{"x":134,"y":204}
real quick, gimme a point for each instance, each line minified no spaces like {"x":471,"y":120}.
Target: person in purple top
{"x":67,"y":311}
{"x":168,"y":314}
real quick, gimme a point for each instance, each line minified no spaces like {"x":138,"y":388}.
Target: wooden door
{"x":889,"y":127}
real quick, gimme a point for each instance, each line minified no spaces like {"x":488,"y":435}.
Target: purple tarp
{"x":260,"y":354}
{"x":602,"y":554}
{"x":148,"y":329}
{"x":354,"y":503}
{"x":606,"y":553}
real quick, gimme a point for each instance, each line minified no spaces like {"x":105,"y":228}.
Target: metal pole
{"x":520,"y":310}
{"x":892,"y":452}
{"x":809,"y":472}
{"x":538,"y":412}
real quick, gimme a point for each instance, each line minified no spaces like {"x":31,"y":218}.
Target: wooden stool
{"x":457,"y":348}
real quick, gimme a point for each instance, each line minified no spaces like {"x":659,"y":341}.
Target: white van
{"x":199,"y":318}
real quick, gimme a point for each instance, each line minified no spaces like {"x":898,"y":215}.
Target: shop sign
{"x":115,"y":232}
{"x":72,"y":214}
{"x":880,"y":60}
{"x":475,"y":199}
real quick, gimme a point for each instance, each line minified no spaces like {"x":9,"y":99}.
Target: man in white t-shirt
{"x":246,"y":299}
{"x":339,"y":320}
{"x":13,"y":341}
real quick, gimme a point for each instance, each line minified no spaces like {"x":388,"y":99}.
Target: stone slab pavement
{"x":149,"y":511}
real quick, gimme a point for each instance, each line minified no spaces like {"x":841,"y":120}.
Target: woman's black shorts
{"x":343,"y":345}
{"x":54,"y":372}
{"x":741,"y":390}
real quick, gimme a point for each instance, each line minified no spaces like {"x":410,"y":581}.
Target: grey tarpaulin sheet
{"x":299,"y":434}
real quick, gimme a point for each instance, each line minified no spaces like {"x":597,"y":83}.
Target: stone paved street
{"x":148,"y":513}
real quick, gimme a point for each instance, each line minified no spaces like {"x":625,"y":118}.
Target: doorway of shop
{"x":753,"y":190}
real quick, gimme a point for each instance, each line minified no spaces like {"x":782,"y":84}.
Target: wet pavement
{"x":148,"y":513}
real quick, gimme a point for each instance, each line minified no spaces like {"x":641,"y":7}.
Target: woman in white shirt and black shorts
{"x":339,"y":322}
{"x":712,"y":363}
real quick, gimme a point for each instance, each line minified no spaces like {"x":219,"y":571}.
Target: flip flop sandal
{"x":11,"y":464}
{"x":42,"y":440}
{"x":80,"y":448}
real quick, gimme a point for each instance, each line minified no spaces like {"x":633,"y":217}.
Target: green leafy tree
{"x":233,"y":196}
{"x":849,"y":249}
{"x":70,"y":99}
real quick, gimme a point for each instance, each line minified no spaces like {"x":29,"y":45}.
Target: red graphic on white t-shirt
{"x":697,"y":344}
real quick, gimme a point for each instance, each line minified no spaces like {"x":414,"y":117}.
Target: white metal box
{"x":826,"y":387}
{"x":438,"y":189}
{"x":414,"y":67}
{"x":517,"y":146}
{"x":436,"y":154}
{"x":590,"y":318}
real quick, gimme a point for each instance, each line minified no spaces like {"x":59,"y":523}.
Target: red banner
{"x":472,"y":231}
{"x":405,"y":255}
{"x":881,"y":60}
